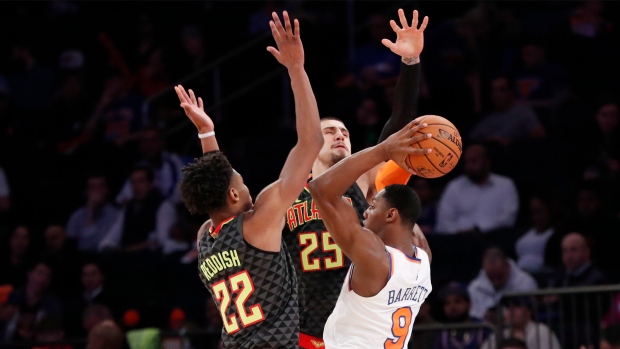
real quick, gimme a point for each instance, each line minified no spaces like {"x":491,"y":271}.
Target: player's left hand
{"x":409,"y":39}
{"x":290,"y":51}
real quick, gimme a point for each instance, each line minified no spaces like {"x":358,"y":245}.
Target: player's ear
{"x":392,"y":214}
{"x":233,"y":195}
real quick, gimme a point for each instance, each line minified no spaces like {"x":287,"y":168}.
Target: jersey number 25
{"x":310,"y":242}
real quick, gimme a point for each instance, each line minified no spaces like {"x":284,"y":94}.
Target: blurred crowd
{"x":92,"y":142}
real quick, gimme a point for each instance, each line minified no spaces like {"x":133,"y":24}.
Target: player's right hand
{"x":399,"y":145}
{"x":194,"y":109}
{"x":290,"y":51}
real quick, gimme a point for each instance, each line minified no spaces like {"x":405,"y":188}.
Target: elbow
{"x":317,"y":188}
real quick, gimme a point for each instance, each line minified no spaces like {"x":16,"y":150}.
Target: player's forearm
{"x":335,"y":181}
{"x":406,"y":97}
{"x":209,"y":144}
{"x":306,"y":110}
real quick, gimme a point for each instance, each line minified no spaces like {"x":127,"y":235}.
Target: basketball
{"x":446,"y":145}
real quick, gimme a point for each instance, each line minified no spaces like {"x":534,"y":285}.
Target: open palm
{"x":409,"y":39}
{"x":194,"y":109}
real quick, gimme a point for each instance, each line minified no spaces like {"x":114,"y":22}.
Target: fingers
{"x":387,"y":43}
{"x":394,"y":26}
{"x":277,"y":22}
{"x":424,"y":24}
{"x":287,"y":23}
{"x":414,"y":21}
{"x":403,"y":19}
{"x":419,"y":137}
{"x":296,"y":33}
{"x":274,"y":51}
{"x":192,"y":97}
{"x":200,"y":104}
{"x":181,"y":94}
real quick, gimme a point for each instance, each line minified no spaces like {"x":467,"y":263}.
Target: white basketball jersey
{"x":386,"y":319}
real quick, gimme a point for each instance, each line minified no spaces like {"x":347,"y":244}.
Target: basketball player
{"x":389,"y":277}
{"x":242,"y":260}
{"x":319,"y":262}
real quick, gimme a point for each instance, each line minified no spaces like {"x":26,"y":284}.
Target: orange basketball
{"x":446,"y":145}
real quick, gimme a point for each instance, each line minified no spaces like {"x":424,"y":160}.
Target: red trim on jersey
{"x":309,"y":342}
{"x":215,"y":232}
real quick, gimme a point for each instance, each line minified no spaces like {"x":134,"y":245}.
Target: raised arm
{"x":409,"y":44}
{"x":195,"y":111}
{"x":361,"y":245}
{"x":267,"y":219}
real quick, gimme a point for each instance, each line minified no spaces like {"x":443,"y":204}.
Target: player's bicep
{"x":343,"y":224}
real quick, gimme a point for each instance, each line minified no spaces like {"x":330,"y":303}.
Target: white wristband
{"x":205,"y":135}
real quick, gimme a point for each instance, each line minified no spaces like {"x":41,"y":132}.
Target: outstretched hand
{"x":409,"y":39}
{"x":290,"y":51}
{"x":194,"y":109}
{"x":399,"y":145}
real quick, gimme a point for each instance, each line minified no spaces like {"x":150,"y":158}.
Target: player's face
{"x":245,"y":199}
{"x":374,"y":216}
{"x":337,"y":144}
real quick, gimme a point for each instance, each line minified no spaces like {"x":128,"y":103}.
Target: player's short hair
{"x":512,"y":343}
{"x":326,"y":118}
{"x":205,"y":183}
{"x":405,"y":200}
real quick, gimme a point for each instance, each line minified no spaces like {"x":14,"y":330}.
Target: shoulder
{"x":501,"y":180}
{"x":457,"y":182}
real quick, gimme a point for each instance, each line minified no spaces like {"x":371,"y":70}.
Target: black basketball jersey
{"x":320,"y":264}
{"x":255,"y":290}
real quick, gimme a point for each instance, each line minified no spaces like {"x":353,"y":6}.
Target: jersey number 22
{"x":241,"y":283}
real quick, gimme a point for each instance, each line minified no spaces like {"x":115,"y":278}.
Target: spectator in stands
{"x":578,"y":268}
{"x":428,"y":198}
{"x":31,"y":83}
{"x":7,"y":311}
{"x":146,"y":220}
{"x":106,"y":335}
{"x":424,"y":339}
{"x":532,"y":246}
{"x":512,"y":343}
{"x":95,"y":293}
{"x":5,"y":193}
{"x":166,"y":167}
{"x":518,"y":317}
{"x":89,"y":223}
{"x":31,"y":303}
{"x":374,"y":64}
{"x":62,"y":257}
{"x":603,"y":136}
{"x":95,"y":314}
{"x":479,"y":200}
{"x":509,"y":121}
{"x":596,"y":221}
{"x":456,"y":307}
{"x":119,"y":111}
{"x":50,"y":330}
{"x":14,"y":262}
{"x":539,"y":83}
{"x":499,"y":275}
